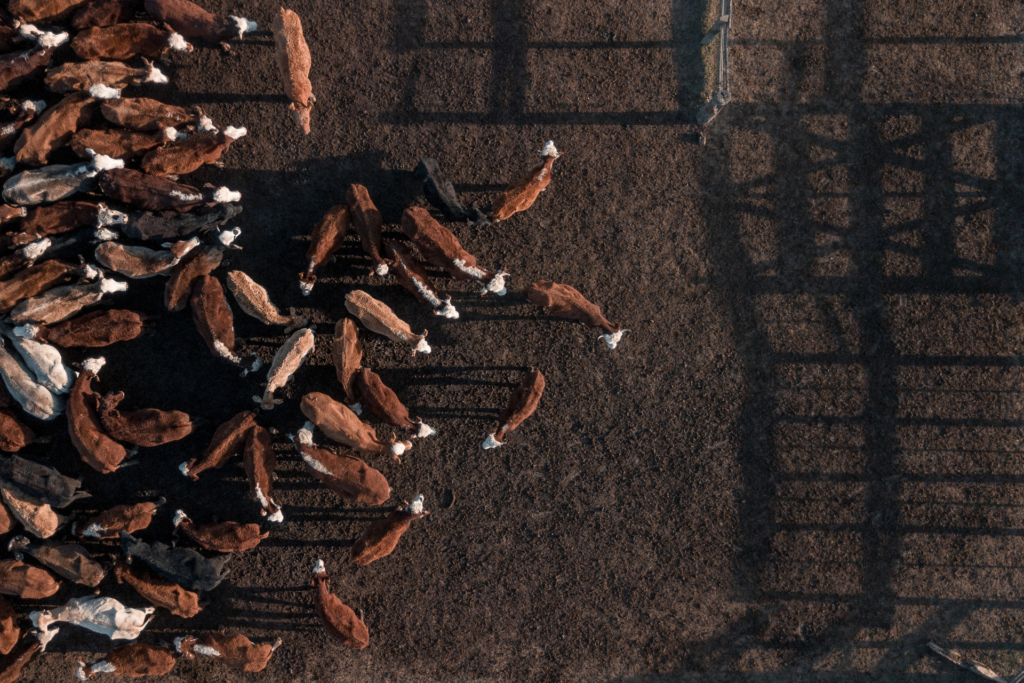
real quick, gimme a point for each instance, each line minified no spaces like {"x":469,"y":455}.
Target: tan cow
{"x":96,"y":329}
{"x":216,"y":324}
{"x":23,"y":581}
{"x":288,"y":359}
{"x":14,"y":666}
{"x":339,"y":620}
{"x":14,"y":435}
{"x":10,"y":632}
{"x":234,"y":649}
{"x":327,"y":238}
{"x":440,"y":247}
{"x":377,"y":317}
{"x":34,"y":398}
{"x":124,"y":41}
{"x":224,"y":537}
{"x":348,"y":476}
{"x":520,"y":195}
{"x":39,"y":10}
{"x":137,"y":659}
{"x":293,"y":61}
{"x":254,"y":300}
{"x":157,"y":590}
{"x":347,"y":354}
{"x":142,"y":262}
{"x":384,"y":403}
{"x":97,"y":449}
{"x":341,"y":425}
{"x":81,"y":76}
{"x":520,"y":406}
{"x":381,"y":537}
{"x":148,"y":115}
{"x":228,"y":441}
{"x":69,"y":560}
{"x":63,"y":302}
{"x":24,"y":65}
{"x":565,"y":302}
{"x":39,"y":519}
{"x":192,"y":21}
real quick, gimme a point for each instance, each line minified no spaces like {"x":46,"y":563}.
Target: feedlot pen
{"x":805,"y":461}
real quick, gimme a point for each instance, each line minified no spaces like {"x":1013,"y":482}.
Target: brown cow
{"x":38,"y":10}
{"x":12,"y":667}
{"x":18,"y":67}
{"x":327,"y":238}
{"x":23,"y":581}
{"x":82,"y":76}
{"x":33,"y":281}
{"x":234,"y":649}
{"x":99,"y":328}
{"x":379,"y":318}
{"x":411,"y":274}
{"x":117,"y":143}
{"x":228,"y":441}
{"x":293,"y":61}
{"x":124,"y":41}
{"x":339,"y":620}
{"x":103,"y":13}
{"x":347,"y":353}
{"x":216,"y":325}
{"x":367,"y":223}
{"x":142,"y":262}
{"x":97,"y":449}
{"x":157,"y":590}
{"x":9,"y":630}
{"x":192,"y":21}
{"x":109,"y":523}
{"x":55,"y":219}
{"x":27,"y":112}
{"x":195,"y":265}
{"x":54,"y":128}
{"x":381,"y":537}
{"x":153,"y":193}
{"x":137,"y":659}
{"x":146,"y":115}
{"x":565,"y":302}
{"x":13,"y":437}
{"x":190,"y":154}
{"x":340,"y":424}
{"x":145,"y":428}
{"x":259,"y":462}
{"x":440,"y":247}
{"x":384,"y":403}
{"x":225,"y":537}
{"x":346,"y":475}
{"x":520,"y":406}
{"x":520,"y":195}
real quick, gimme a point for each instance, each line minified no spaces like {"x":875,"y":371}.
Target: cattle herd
{"x":54,"y":213}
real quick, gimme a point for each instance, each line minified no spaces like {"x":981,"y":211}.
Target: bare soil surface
{"x":803,"y":461}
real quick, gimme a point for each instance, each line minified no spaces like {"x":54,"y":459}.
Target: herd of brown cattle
{"x":44,"y":297}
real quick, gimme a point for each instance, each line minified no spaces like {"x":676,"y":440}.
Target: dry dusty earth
{"x":803,"y":462}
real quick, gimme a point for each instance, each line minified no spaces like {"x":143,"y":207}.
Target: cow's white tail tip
{"x":490,"y":442}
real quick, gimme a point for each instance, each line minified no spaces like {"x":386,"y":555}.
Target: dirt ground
{"x":802,"y":462}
